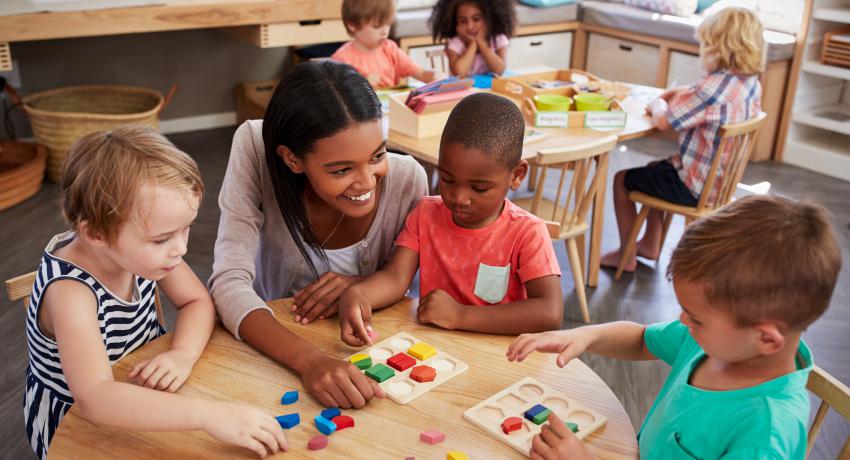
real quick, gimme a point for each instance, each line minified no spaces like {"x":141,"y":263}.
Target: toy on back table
{"x":405,"y":367}
{"x":515,"y":414}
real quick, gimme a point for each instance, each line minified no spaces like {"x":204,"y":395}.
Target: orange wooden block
{"x":423,"y":374}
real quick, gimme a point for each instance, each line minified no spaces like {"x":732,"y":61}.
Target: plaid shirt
{"x":697,"y":114}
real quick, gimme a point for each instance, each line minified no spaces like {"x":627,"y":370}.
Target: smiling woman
{"x":311,"y":202}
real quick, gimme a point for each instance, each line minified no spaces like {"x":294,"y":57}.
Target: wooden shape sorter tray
{"x":400,"y":387}
{"x":514,"y":400}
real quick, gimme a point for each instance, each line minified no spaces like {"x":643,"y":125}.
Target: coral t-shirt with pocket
{"x":483,"y":266}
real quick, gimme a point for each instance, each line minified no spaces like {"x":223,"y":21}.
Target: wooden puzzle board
{"x":514,"y":400}
{"x":401,"y":388}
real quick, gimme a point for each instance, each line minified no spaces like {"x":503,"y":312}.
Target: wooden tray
{"x":521,"y":86}
{"x":574,"y":118}
{"x":836,"y":47}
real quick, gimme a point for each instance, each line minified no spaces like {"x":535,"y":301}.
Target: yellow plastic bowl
{"x":592,"y":102}
{"x":552,"y":103}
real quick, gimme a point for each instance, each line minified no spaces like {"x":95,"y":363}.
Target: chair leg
{"x":688,"y":221}
{"x":580,"y":244}
{"x":532,"y":177}
{"x":668,"y":218}
{"x":631,"y":243}
{"x":578,"y":278}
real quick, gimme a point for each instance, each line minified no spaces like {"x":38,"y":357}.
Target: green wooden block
{"x":572,"y":426}
{"x":364,"y":364}
{"x":380,"y":372}
{"x":541,"y":417}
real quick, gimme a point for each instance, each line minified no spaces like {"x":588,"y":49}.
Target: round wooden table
{"x":231,"y":370}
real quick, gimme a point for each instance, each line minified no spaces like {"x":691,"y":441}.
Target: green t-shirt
{"x":767,"y":421}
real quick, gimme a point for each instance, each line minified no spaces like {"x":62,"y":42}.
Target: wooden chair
{"x":438,"y":55}
{"x":738,"y":139}
{"x":834,"y":394}
{"x":565,"y":213}
{"x":20,"y":287}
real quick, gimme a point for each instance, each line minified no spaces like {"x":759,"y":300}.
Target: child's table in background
{"x":638,"y":124}
{"x":232,"y":370}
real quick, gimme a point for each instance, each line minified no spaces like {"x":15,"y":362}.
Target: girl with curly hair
{"x":477,"y":32}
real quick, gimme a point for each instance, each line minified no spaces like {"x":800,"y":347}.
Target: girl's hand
{"x":441,"y":309}
{"x":557,"y":442}
{"x":481,"y":38}
{"x":165,"y":371}
{"x":244,"y":426}
{"x":567,"y":343}
{"x":355,"y":318}
{"x":319,"y":299}
{"x":338,"y":383}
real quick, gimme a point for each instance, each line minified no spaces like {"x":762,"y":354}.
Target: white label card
{"x":551,"y":119}
{"x":612,"y":119}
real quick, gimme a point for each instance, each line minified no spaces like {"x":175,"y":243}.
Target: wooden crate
{"x":520,"y":86}
{"x":427,"y":124}
{"x":292,"y":33}
{"x":252,"y":98}
{"x":836,"y":48}
{"x":575,"y":119}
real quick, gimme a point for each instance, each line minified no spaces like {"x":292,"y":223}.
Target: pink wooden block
{"x":317,"y":442}
{"x":432,"y":436}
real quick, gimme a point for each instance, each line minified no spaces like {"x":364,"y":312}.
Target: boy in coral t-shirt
{"x":485,"y":264}
{"x":376,"y":57}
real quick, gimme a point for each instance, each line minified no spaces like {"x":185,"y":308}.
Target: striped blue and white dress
{"x":124,"y":327}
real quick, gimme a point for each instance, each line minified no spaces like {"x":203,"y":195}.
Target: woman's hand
{"x":339,"y":383}
{"x":319,"y":299}
{"x":165,"y":371}
{"x":557,"y":442}
{"x":568,"y":344}
{"x":355,"y":318}
{"x":244,"y":426}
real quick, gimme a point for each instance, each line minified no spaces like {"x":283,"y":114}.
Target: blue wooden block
{"x":331,"y":412}
{"x":530,"y":413}
{"x":288,"y":421}
{"x":289,"y":397}
{"x":325,"y":426}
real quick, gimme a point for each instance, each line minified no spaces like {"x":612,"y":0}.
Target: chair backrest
{"x":738,"y":140}
{"x":438,"y":54}
{"x":587,"y":162}
{"x":834,"y":394}
{"x":20,"y":287}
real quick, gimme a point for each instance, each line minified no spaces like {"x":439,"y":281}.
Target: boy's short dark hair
{"x":361,"y":12}
{"x":762,"y":258}
{"x":488,"y":123}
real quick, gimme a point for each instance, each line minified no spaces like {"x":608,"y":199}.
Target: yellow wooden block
{"x":456,"y":455}
{"x":422,"y":351}
{"x":358,"y":357}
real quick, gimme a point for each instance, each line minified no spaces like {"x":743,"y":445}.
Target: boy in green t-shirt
{"x":750,"y":278}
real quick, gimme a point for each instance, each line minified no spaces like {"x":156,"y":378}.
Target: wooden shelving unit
{"x":819,"y":135}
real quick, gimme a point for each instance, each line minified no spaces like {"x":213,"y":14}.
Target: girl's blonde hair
{"x":733,"y":38}
{"x":104,"y":171}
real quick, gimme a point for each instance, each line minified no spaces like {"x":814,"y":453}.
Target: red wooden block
{"x":343,"y":422}
{"x":401,"y":362}
{"x":423,"y":374}
{"x":511,"y":424}
{"x":317,"y":442}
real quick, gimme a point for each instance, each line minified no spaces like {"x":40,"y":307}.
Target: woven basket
{"x":59,"y":117}
{"x":21,"y":171}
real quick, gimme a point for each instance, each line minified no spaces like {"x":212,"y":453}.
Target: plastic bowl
{"x":590,"y":102}
{"x":552,"y":103}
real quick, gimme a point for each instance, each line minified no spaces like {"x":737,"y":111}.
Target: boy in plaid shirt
{"x":732,"y":52}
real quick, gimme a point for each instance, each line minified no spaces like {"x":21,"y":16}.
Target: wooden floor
{"x":645,"y":296}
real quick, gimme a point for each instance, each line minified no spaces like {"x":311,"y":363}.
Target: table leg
{"x":596,"y":223}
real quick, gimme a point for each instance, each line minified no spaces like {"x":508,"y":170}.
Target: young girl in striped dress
{"x":129,"y":196}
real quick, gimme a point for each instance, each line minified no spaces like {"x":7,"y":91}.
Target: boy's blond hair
{"x":762,"y":258}
{"x":360,"y":12}
{"x":104,"y":171}
{"x":733,"y":37}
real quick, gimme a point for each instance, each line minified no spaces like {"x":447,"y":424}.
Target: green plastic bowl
{"x":592,"y":102}
{"x":552,"y":103}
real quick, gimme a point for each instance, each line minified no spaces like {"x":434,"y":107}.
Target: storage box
{"x":616,"y":117}
{"x":521,"y":86}
{"x":427,"y":124}
{"x":836,"y":48}
{"x":252,"y":98}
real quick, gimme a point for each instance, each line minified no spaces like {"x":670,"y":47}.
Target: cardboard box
{"x":252,"y":98}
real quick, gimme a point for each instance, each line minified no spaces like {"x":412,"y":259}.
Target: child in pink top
{"x":477,"y":32}
{"x":485,"y":264}
{"x":377,"y":58}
